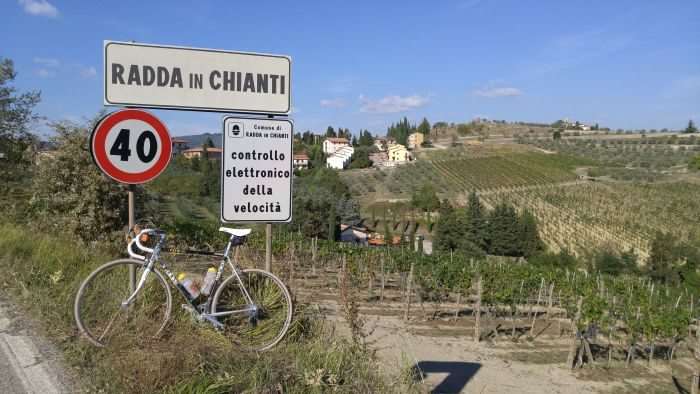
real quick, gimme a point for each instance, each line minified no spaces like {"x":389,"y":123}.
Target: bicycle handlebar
{"x":142,"y":247}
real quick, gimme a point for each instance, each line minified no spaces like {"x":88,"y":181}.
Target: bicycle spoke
{"x":269,"y":322}
{"x":105,"y":290}
{"x":109,"y":325}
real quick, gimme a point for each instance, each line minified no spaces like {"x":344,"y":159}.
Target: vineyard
{"x":595,"y":215}
{"x":458,"y":172}
{"x":647,"y":153}
{"x":603,"y":319}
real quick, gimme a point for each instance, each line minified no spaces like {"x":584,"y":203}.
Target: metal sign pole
{"x":268,"y":247}
{"x":132,"y":271}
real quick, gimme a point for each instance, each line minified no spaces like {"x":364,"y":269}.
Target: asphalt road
{"x":28,"y":364}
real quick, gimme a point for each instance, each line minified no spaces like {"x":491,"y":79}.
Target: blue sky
{"x":364,"y":64}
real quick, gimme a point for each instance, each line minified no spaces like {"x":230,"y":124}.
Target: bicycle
{"x":252,"y":307}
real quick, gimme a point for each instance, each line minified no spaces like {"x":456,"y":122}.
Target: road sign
{"x":131,"y":146}
{"x":171,"y":77}
{"x":256,"y":170}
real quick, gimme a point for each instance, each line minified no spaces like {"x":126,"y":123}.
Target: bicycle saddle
{"x":238,"y":232}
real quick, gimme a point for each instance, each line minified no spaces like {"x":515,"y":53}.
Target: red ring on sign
{"x":99,"y":150}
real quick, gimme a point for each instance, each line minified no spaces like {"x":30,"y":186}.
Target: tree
{"x":556,"y":135}
{"x":348,"y":210}
{"x":663,"y":258}
{"x":530,"y":241}
{"x":476,"y":222}
{"x":504,"y":232}
{"x":330,"y":132}
{"x":694,"y":163}
{"x":691,"y":128}
{"x":464,"y":129}
{"x":208,"y":143}
{"x":16,"y":116}
{"x":366,"y":139}
{"x":333,"y":225}
{"x":388,"y":237}
{"x":360,"y":159}
{"x":70,"y":195}
{"x":448,"y":232}
{"x":316,"y":194}
{"x":401,"y":130}
{"x":425,"y":198}
{"x":424,"y":127}
{"x":610,"y":263}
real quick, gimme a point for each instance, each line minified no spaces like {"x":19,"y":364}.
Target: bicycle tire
{"x":121,"y":289}
{"x":238,"y":335}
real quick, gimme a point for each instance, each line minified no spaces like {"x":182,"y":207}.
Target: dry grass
{"x":43,"y":273}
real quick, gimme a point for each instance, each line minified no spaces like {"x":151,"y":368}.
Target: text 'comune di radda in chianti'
{"x":255,"y":177}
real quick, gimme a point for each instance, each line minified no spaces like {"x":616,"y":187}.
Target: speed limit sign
{"x":131,"y":146}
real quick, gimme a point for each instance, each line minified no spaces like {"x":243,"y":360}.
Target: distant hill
{"x":198,"y":139}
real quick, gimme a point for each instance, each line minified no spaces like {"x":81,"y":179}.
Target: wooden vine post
{"x":549,"y":301}
{"x":408,"y":293}
{"x":573,"y":346}
{"x":381,"y":290}
{"x":477,"y":311}
{"x":534,"y":315}
{"x":314,"y":243}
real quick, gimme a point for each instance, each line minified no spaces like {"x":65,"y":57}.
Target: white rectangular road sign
{"x":157,"y":76}
{"x":256,"y":170}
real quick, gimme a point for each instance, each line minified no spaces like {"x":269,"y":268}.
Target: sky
{"x":365,"y":64}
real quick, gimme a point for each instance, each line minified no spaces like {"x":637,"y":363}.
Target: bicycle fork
{"x":140,"y":285}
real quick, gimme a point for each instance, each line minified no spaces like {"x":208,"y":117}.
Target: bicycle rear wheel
{"x":264,"y":326}
{"x":98,"y":308}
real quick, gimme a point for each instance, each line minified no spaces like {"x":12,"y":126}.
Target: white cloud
{"x":333,"y":103}
{"x":47,"y":61}
{"x":44,"y":73}
{"x":492,"y":92}
{"x":88,"y":72}
{"x":39,"y":8}
{"x":392,"y":104}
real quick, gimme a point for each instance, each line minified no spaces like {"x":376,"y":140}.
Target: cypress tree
{"x":530,"y":242}
{"x":504,"y":231}
{"x":476,"y":225}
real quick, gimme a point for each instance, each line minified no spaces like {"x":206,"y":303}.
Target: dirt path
{"x":452,"y":364}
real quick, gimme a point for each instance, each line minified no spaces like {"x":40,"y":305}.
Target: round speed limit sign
{"x":131,"y":146}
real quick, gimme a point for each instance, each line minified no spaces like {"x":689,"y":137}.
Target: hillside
{"x":199,"y":139}
{"x":614,"y":208}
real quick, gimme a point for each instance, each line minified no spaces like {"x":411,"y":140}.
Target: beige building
{"x":398,"y":153}
{"x":415,"y":140}
{"x":332,"y":144}
{"x":212,"y":153}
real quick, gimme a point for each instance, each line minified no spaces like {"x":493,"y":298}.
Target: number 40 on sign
{"x":131,"y":146}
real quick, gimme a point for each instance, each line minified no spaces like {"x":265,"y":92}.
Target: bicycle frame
{"x":202,"y":310}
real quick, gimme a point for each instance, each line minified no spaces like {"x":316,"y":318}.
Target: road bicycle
{"x":251,"y":307}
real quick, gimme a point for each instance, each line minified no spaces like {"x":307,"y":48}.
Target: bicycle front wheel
{"x":102,"y":318}
{"x":259,"y":326}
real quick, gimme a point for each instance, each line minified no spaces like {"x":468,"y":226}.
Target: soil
{"x":438,"y":348}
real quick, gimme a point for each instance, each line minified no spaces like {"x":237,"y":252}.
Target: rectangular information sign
{"x":256,"y":170}
{"x":156,"y":76}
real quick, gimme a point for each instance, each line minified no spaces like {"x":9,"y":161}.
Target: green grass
{"x":42,"y":273}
